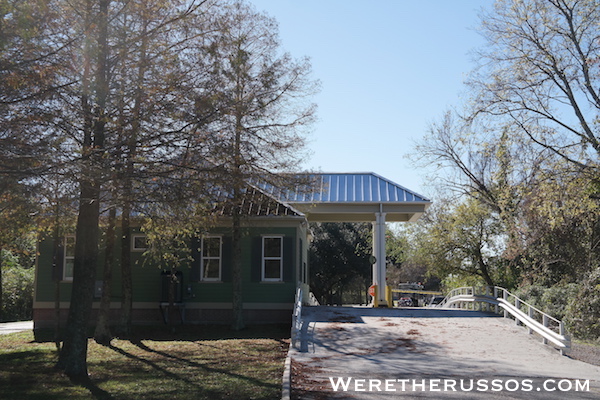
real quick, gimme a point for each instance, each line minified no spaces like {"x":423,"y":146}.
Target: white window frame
{"x":133,"y":243}
{"x":67,"y":257}
{"x":265,"y":259}
{"x":203,"y":258}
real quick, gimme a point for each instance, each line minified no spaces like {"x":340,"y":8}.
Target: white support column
{"x":379,"y":268}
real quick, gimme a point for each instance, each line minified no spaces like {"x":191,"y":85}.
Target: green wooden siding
{"x":147,"y":276}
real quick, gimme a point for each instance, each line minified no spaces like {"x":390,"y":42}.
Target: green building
{"x":275,"y":240}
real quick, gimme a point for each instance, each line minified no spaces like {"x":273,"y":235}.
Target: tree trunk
{"x":484,"y":271}
{"x":126,"y":280}
{"x":237,"y":299}
{"x":173,"y":281}
{"x":73,"y":355}
{"x":238,"y":182}
{"x":127,"y":284}
{"x":102,"y":334}
{"x":1,"y":302}
{"x":58,"y":260}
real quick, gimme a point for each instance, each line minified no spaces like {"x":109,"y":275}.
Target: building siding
{"x":200,"y":297}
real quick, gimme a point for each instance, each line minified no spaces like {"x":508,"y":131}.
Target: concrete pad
{"x":12,"y":327}
{"x":438,"y":350}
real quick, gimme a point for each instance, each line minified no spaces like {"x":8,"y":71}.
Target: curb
{"x":286,"y":390}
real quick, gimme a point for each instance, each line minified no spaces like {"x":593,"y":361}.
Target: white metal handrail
{"x":548,"y":327}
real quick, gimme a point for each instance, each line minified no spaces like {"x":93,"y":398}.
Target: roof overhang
{"x":361,"y":212}
{"x":349,"y":197}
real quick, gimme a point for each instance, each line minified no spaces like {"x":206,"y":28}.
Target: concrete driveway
{"x":12,"y":327}
{"x":366,"y":353}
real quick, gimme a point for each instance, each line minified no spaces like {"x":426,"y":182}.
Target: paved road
{"x":12,"y":327}
{"x":429,"y":353}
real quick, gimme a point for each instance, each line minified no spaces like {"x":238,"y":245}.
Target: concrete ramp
{"x":376,"y":352}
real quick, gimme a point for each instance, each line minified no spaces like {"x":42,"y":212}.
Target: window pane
{"x":68,"y":268}
{"x":272,"y":247}
{"x":140,"y":242}
{"x":272,"y":269}
{"x":211,"y":269}
{"x":212,"y":247}
{"x":70,"y":246}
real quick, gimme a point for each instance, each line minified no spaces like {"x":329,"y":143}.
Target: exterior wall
{"x":204,"y":302}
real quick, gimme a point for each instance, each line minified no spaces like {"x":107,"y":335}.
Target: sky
{"x":388,"y":69}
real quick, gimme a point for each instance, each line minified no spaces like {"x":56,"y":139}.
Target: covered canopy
{"x":356,"y":197}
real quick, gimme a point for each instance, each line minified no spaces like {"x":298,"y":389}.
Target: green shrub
{"x":552,"y":300}
{"x":17,"y":289}
{"x":583,"y":313}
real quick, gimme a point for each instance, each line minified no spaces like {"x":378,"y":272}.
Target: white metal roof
{"x":352,"y":197}
{"x":366,"y":187}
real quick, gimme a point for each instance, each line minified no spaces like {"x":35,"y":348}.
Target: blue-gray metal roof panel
{"x":352,"y":187}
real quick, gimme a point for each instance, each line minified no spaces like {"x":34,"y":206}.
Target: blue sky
{"x":388,"y":69}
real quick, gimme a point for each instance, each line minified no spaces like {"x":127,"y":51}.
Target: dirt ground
{"x":585,"y":352}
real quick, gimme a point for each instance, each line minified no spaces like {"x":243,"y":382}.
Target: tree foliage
{"x":520,"y":158}
{"x":539,"y":71}
{"x":339,"y":258}
{"x":17,"y":282}
{"x":151,"y":108}
{"x":255,"y":114}
{"x":461,"y":239}
{"x":583,"y":313}
{"x":558,"y":230}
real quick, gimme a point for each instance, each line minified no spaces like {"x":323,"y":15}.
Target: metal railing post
{"x":545,"y":323}
{"x":470,"y":298}
{"x":495,"y":297}
{"x":563,"y":332}
{"x":530,"y":313}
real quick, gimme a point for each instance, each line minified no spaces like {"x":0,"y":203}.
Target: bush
{"x":552,"y":300}
{"x":583,"y":313}
{"x":17,"y":289}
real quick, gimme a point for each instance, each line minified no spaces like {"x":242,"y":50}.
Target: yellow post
{"x":388,"y":296}
{"x":374,"y":290}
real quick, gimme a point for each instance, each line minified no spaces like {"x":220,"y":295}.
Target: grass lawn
{"x":194,"y":363}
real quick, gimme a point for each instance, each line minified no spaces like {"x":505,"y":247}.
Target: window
{"x":69,"y":260}
{"x":211,"y":258}
{"x":139,"y":243}
{"x":272,"y":258}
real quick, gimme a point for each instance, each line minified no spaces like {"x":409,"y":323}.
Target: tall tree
{"x":93,"y":97}
{"x":534,"y":108}
{"x":28,"y":68}
{"x":462,"y":239}
{"x":152,"y":132}
{"x":261,"y":98}
{"x":539,"y":70}
{"x":110,"y":118}
{"x":559,"y":228}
